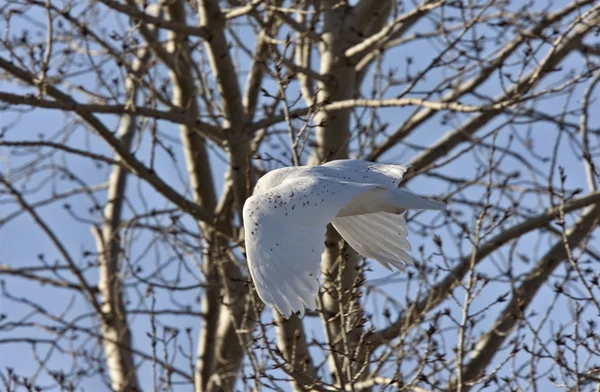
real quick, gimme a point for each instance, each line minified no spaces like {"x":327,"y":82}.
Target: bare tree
{"x":133,"y":132}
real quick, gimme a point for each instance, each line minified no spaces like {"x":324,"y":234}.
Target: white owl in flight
{"x":286,"y":218}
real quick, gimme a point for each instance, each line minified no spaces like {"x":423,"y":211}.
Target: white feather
{"x":286,"y":218}
{"x":380,"y":236}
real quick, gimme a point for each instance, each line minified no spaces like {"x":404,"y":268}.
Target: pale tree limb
{"x":238,"y":318}
{"x":291,"y":341}
{"x":298,"y":27}
{"x":91,"y":332}
{"x":87,"y":289}
{"x":62,"y":147}
{"x":204,"y":129}
{"x":440,"y":291}
{"x":303,"y":56}
{"x":561,"y":48}
{"x":257,"y":69}
{"x":371,"y":26}
{"x":386,"y":383}
{"x":25,"y":273}
{"x":344,"y":105}
{"x":202,"y":183}
{"x":65,"y":12}
{"x":590,"y":168}
{"x":133,"y":11}
{"x":133,"y":164}
{"x":234,"y":122}
{"x":368,"y":15}
{"x":230,"y":347}
{"x":366,"y":57}
{"x":148,"y":32}
{"x":487,"y":347}
{"x":243,"y":10}
{"x":405,"y":20}
{"x":115,"y":327}
{"x":482,"y":76}
{"x":294,"y":67}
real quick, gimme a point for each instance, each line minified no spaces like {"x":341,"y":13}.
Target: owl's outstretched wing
{"x":371,"y":172}
{"x":285,"y":231}
{"x":379,"y":236}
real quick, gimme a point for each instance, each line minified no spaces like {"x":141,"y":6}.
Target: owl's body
{"x":286,"y":218}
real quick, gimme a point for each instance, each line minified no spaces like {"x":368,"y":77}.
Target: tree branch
{"x":440,"y":291}
{"x":58,"y":244}
{"x":134,"y":165}
{"x":115,"y":327}
{"x":490,"y":343}
{"x":26,"y":273}
{"x":482,"y":76}
{"x":229,"y":348}
{"x":560,"y":49}
{"x":177,"y":27}
{"x":209,"y":131}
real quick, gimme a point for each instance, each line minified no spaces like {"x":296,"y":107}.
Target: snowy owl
{"x":286,"y":218}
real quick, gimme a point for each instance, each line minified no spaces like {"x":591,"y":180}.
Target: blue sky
{"x":21,"y":242}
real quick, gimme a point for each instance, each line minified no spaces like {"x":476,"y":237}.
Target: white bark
{"x":116,"y":332}
{"x":229,"y":346}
